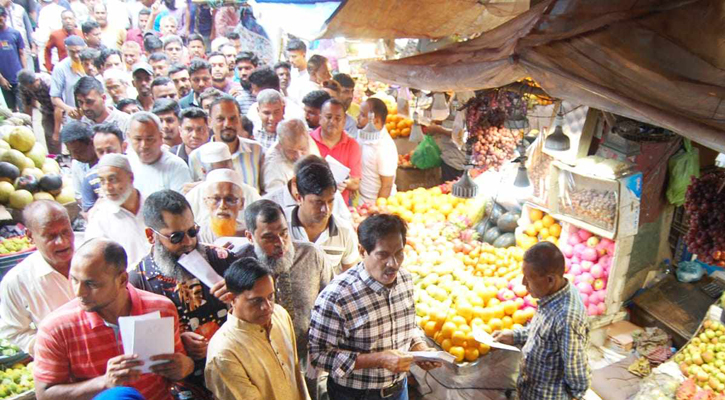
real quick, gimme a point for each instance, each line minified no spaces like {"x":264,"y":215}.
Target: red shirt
{"x":57,"y":40}
{"x":346,"y":151}
{"x":74,"y":345}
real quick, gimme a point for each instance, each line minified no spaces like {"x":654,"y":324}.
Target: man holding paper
{"x":79,"y":351}
{"x":174,"y":241}
{"x":555,"y":364}
{"x":363,"y":324}
{"x":254,"y":355}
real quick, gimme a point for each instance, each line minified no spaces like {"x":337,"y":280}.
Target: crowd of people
{"x":181,"y":138}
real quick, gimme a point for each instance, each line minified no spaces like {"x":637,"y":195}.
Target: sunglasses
{"x":177,"y":237}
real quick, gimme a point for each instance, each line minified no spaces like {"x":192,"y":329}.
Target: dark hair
{"x":88,"y":26}
{"x":247,"y":56}
{"x":145,"y":11}
{"x":161,"y":81}
{"x":158,"y":56}
{"x":267,"y":209}
{"x":332,"y":85}
{"x":163,"y":201}
{"x":244,"y":273}
{"x":344,"y":80}
{"x":313,"y":177}
{"x":152,"y":43}
{"x":210,"y":93}
{"x":89,"y":53}
{"x":198,"y":64}
{"x":105,"y":53}
{"x":26,"y":77}
{"x":113,"y":253}
{"x":264,"y":78}
{"x":123,"y":103}
{"x":225,"y":98}
{"x":195,"y":37}
{"x":3,"y":11}
{"x":334,"y":102}
{"x":76,"y":130}
{"x":378,"y":108}
{"x":174,"y":68}
{"x":296,"y":45}
{"x":315,"y":62}
{"x":546,"y":258}
{"x":378,"y":226}
{"x":86,"y":84}
{"x":233,"y":36}
{"x":316,"y":99}
{"x":283,"y":64}
{"x":110,"y":128}
{"x":192,"y":113}
{"x":247,"y":125}
{"x":162,"y":106}
{"x":215,"y":54}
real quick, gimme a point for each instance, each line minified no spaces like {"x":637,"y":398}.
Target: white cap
{"x":114,"y":160}
{"x":223,"y":175}
{"x":214,"y":152}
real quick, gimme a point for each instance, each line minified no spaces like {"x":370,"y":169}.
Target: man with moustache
{"x":223,"y":199}
{"x":179,"y":74}
{"x":172,"y":232}
{"x":294,"y":143}
{"x":300,"y":269}
{"x":142,"y":75}
{"x":39,"y":284}
{"x":200,"y":78}
{"x":168,"y":112}
{"x":91,"y":100}
{"x":57,"y":38}
{"x":194,"y":132}
{"x":220,"y":74}
{"x":117,"y":216}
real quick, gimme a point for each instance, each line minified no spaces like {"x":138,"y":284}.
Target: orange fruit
{"x":493,"y":302}
{"x":508,"y":322}
{"x":487,"y":314}
{"x":483,"y":349}
{"x":487,"y":328}
{"x":530,"y":230}
{"x":471,"y":354}
{"x":459,"y":320}
{"x":499,"y":311}
{"x":405,"y":132}
{"x":458,"y":338}
{"x":458,"y":352}
{"x":446,"y":344}
{"x":535,"y":214}
{"x":430,"y":328}
{"x":447,"y":329}
{"x":538,"y":225}
{"x":547,"y":221}
{"x":544,"y":233}
{"x":555,"y":230}
{"x":495,"y":324}
{"x":520,"y":317}
{"x":465,"y":329}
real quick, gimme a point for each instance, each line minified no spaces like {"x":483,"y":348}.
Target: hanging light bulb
{"x":439,"y":110}
{"x":558,"y":141}
{"x":465,"y":187}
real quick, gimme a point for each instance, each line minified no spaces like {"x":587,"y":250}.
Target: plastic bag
{"x":682,"y":167}
{"x":689,"y":271}
{"x":427,"y":154}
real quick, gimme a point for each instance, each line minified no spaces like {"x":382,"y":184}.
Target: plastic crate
{"x":8,"y":261}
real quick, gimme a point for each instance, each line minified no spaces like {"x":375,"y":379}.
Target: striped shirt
{"x":355,"y":314}
{"x":265,"y":139}
{"x":555,"y":364}
{"x":74,"y":345}
{"x":247,"y":161}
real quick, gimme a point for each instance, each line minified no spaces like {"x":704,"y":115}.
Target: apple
{"x":575,"y":269}
{"x":587,"y":277}
{"x":585,"y":298}
{"x":601,"y":308}
{"x":718,"y":363}
{"x":586,"y":265}
{"x":722,"y":369}
{"x":702,"y":376}
{"x":708,"y":356}
{"x":520,"y":291}
{"x":599,"y":284}
{"x":697,"y":359}
{"x":710,"y":333}
{"x":584,"y":235}
{"x":584,"y":287}
{"x":593,"y":241}
{"x":597,"y":271}
{"x":573,"y":240}
{"x":696,"y":341}
{"x":576,"y":260}
{"x":683,"y":369}
{"x":567,"y":250}
{"x":592,"y":310}
{"x":506,"y":294}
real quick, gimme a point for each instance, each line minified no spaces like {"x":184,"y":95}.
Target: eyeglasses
{"x":177,"y":237}
{"x":230,"y":200}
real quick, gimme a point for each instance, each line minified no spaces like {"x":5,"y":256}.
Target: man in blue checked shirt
{"x":555,"y":364}
{"x":363,"y":322}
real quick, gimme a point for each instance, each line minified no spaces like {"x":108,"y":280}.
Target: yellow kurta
{"x":244,"y":363}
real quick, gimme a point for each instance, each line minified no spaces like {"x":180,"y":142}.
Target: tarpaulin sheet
{"x":657,"y":61}
{"x":432,"y":19}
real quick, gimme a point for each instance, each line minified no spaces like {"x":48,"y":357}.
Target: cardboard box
{"x":619,"y":335}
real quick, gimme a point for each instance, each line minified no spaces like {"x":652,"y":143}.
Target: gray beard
{"x":278,"y":266}
{"x":168,"y":264}
{"x":124,"y":197}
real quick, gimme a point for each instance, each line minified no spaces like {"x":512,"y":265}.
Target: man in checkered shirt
{"x":363,"y":322}
{"x":555,"y":364}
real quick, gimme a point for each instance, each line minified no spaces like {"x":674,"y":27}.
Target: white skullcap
{"x":115,"y":160}
{"x":214,"y":152}
{"x":223,"y":175}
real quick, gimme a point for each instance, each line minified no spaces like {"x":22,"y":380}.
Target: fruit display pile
{"x":404,"y":160}
{"x":702,"y":361}
{"x":398,"y":125}
{"x":15,"y":245}
{"x":706,"y":234}
{"x":540,"y":226}
{"x":16,"y":380}
{"x":499,"y":227}
{"x":598,"y":207}
{"x":26,"y":173}
{"x":8,"y":349}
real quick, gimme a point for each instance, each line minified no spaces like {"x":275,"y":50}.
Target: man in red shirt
{"x":57,"y":37}
{"x":79,"y":352}
{"x":331,"y":139}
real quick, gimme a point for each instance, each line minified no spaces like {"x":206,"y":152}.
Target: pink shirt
{"x":346,"y":151}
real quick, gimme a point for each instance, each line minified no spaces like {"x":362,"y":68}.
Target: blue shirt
{"x":62,"y":81}
{"x":555,"y":364}
{"x":90,"y":189}
{"x":11,"y":42}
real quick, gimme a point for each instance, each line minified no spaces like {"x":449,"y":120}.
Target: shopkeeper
{"x":555,"y":364}
{"x":452,"y":157}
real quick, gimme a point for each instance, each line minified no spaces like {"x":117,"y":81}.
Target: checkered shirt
{"x":555,"y":364}
{"x":266,"y":140}
{"x":355,"y":314}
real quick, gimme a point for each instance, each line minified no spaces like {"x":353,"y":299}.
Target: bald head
{"x":292,"y":130}
{"x":43,"y":212}
{"x":102,"y":251}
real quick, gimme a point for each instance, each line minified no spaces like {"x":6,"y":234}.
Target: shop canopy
{"x":657,"y":61}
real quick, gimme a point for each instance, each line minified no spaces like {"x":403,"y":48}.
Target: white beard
{"x":123,"y":198}
{"x":278,"y":266}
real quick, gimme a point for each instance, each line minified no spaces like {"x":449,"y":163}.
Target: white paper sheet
{"x":436,"y":356}
{"x":232,"y":243}
{"x":126,"y":325}
{"x":153,"y":337}
{"x":340,"y":171}
{"x":200,"y":268}
{"x":483,"y":337}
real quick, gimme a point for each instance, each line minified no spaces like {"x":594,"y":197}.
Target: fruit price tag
{"x":483,"y":337}
{"x":435,"y":356}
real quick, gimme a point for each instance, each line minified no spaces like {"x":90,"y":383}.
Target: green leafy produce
{"x":8,"y":349}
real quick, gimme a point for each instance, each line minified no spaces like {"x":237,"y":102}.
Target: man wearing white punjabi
{"x":223,"y":199}
{"x":118,"y":215}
